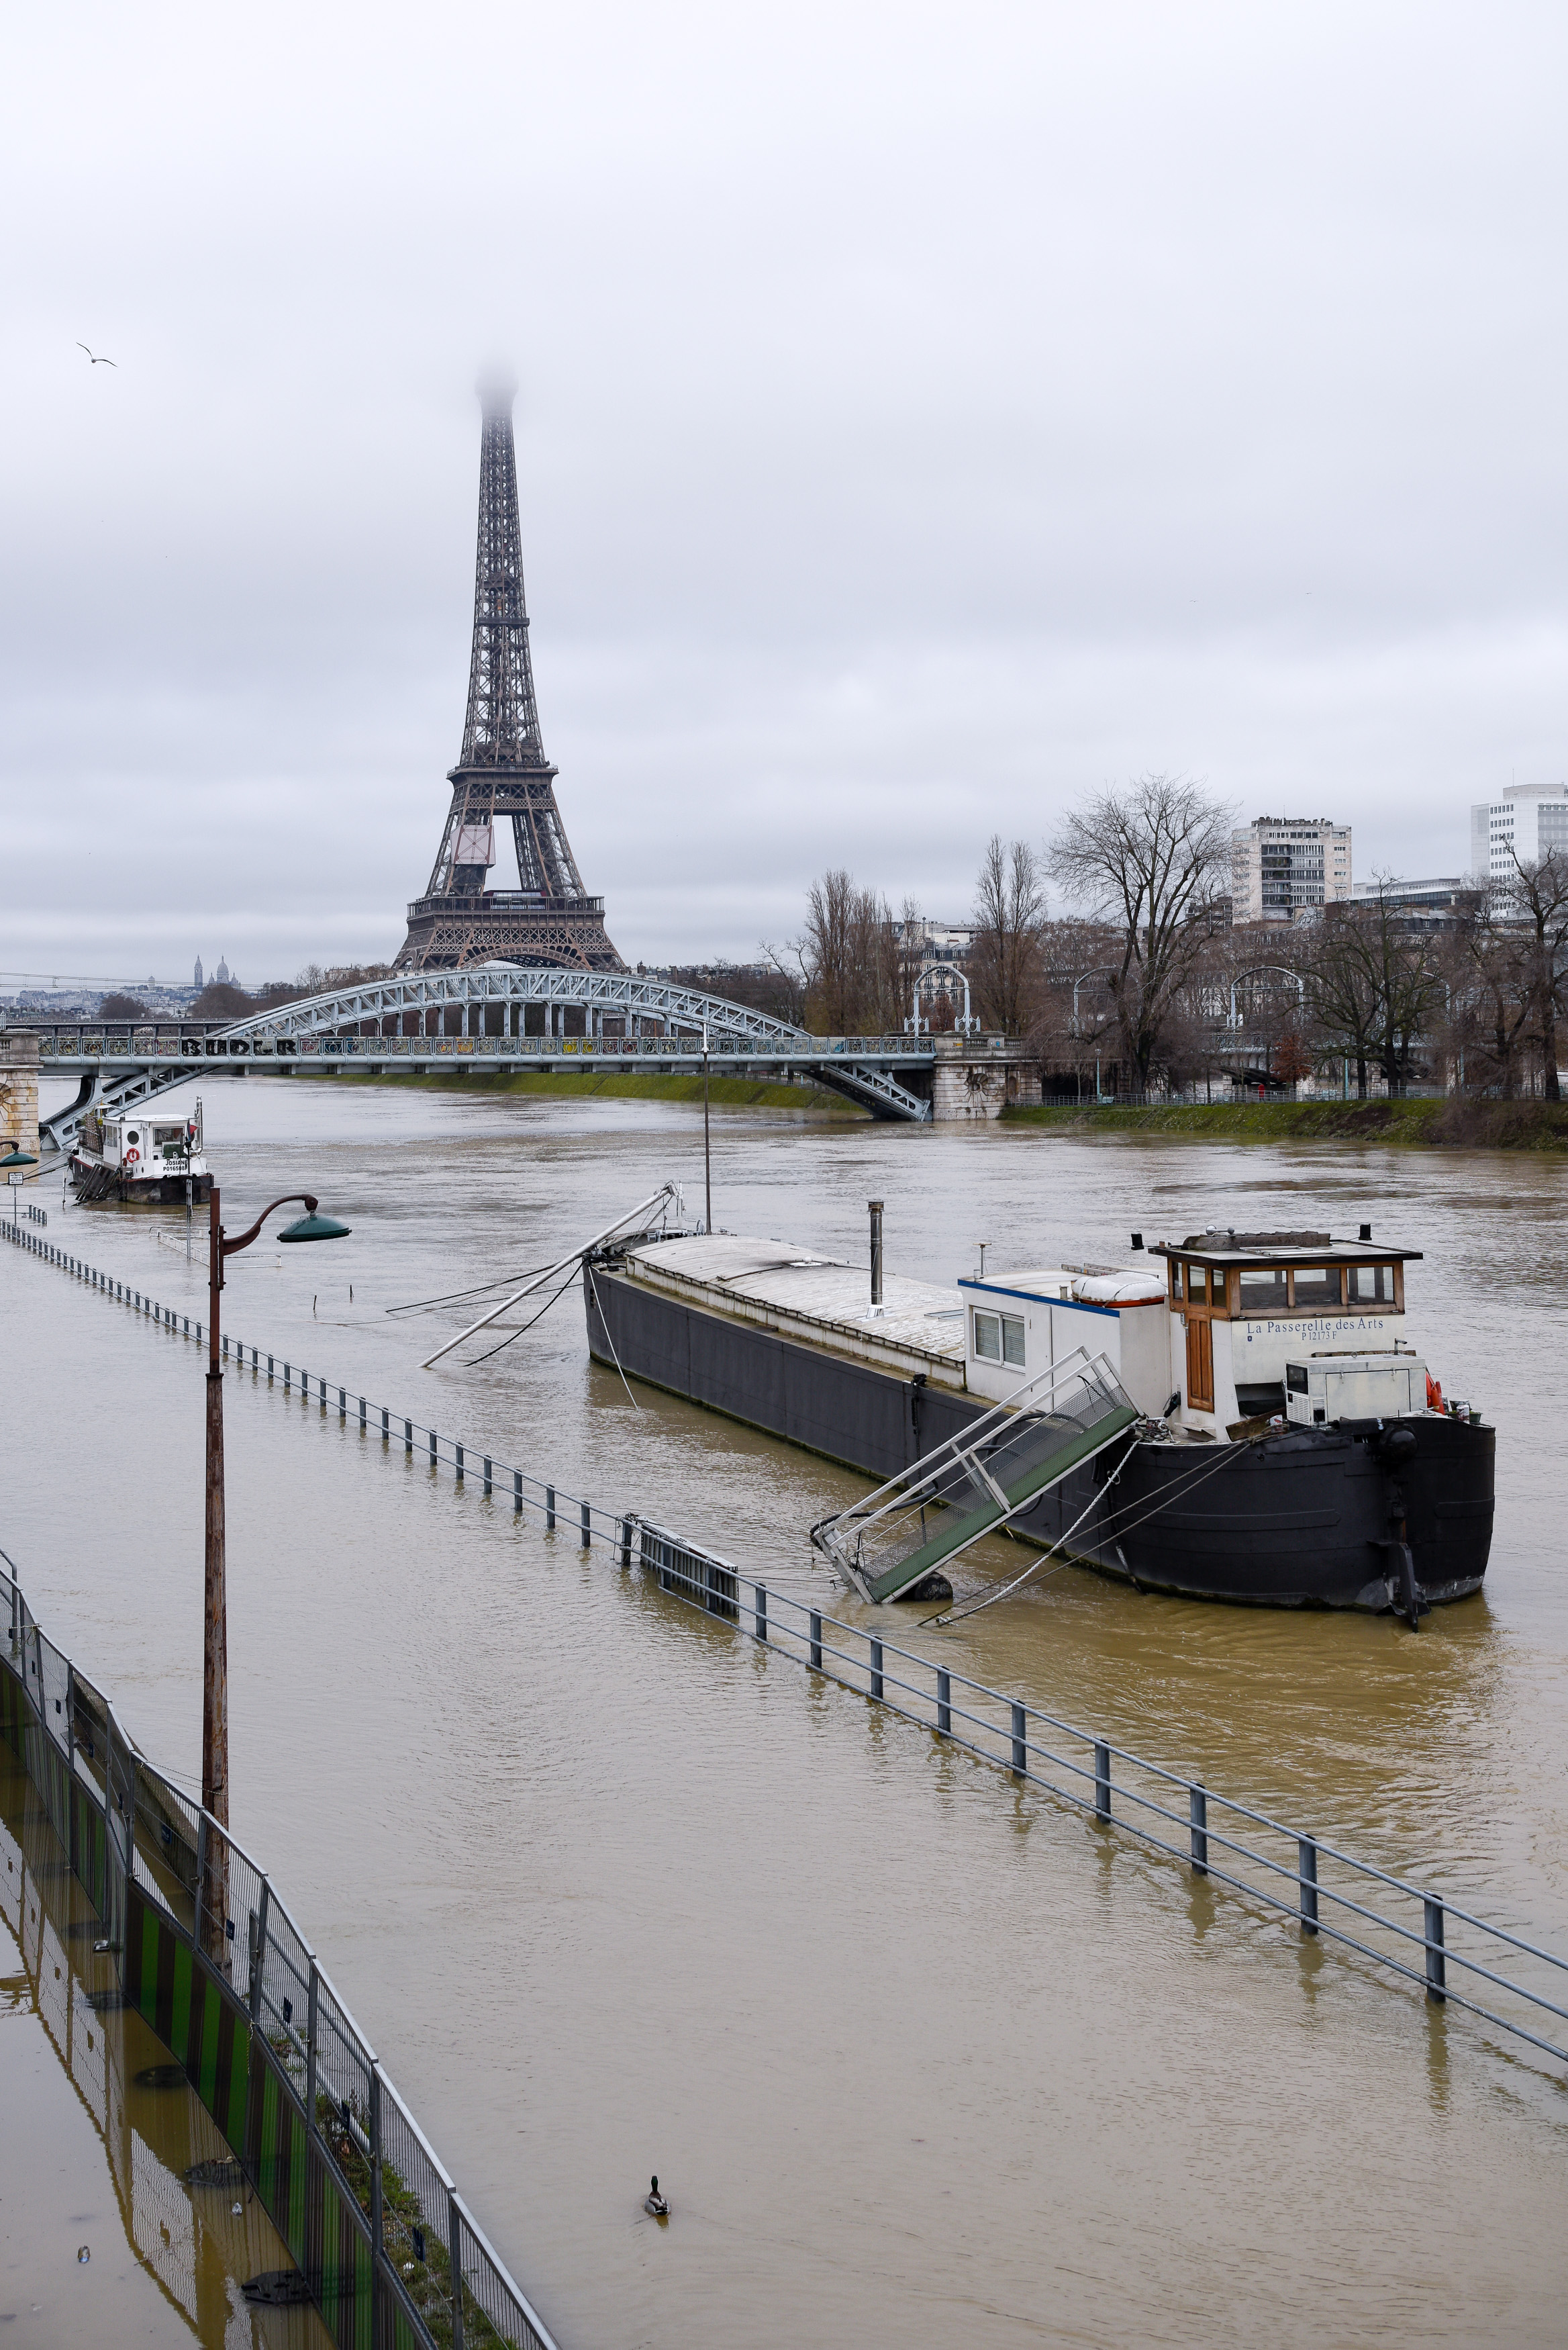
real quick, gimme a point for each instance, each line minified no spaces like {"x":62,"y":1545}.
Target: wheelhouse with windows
{"x":1296,"y":1324}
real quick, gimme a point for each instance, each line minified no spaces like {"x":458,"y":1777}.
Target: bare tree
{"x":850,"y":958}
{"x":1534,"y":899}
{"x":1491,"y":999}
{"x":1342,"y":992}
{"x":1151,"y":861}
{"x":1004,"y":961}
{"x":827,"y":951}
{"x":1373,"y":987}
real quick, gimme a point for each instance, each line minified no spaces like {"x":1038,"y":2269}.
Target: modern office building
{"x":1523,"y":822}
{"x":1286,"y":868}
{"x":1442,"y":901}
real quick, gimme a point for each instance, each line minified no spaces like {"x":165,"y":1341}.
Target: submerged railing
{"x":210,"y":1955}
{"x":1418,"y":1934}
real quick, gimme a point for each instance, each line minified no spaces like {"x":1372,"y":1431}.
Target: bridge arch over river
{"x":493,"y":1018}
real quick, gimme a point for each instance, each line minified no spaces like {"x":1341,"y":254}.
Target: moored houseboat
{"x":140,"y":1155}
{"x":1291,"y":1450}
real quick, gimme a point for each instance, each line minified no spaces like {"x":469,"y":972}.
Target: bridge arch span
{"x":493,"y":1015}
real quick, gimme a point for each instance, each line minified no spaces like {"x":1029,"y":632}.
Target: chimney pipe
{"x":876,"y":1208}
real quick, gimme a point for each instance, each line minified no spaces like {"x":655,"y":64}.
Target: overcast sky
{"x":928,"y":413}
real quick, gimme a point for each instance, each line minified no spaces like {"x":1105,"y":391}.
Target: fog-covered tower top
{"x":502,"y":771}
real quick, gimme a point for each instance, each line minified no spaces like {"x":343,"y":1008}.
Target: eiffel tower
{"x":502,"y":772}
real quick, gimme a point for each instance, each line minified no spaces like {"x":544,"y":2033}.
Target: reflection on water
{"x":915,"y":2056}
{"x":98,"y":2145}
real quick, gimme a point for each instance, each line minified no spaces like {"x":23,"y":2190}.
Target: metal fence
{"x":1415,"y":1932}
{"x":210,"y":1955}
{"x":1421,"y":1935}
{"x":528,"y":1493}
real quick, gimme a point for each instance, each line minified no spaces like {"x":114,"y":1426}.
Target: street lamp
{"x":215,"y":1643}
{"x":16,"y":1157}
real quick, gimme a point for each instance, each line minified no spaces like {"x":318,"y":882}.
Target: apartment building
{"x":1287,"y":869}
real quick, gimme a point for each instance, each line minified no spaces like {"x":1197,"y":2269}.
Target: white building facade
{"x":1287,"y":869}
{"x":1524,"y":821}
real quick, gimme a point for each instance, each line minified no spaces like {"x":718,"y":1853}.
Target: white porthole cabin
{"x":1019,"y":1323}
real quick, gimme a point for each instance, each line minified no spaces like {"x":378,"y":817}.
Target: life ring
{"x":131,"y":1157}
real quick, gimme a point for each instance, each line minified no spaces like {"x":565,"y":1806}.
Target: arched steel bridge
{"x":493,"y":1018}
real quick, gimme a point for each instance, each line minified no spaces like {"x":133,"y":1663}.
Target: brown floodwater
{"x":102,"y":2240}
{"x":919,"y":2057}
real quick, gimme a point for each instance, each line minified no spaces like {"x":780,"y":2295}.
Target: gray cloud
{"x":926,"y":414}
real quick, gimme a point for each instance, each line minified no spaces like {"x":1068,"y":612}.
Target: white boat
{"x":142,"y":1154}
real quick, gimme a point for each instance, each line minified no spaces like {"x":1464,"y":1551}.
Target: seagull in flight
{"x":96,"y":361}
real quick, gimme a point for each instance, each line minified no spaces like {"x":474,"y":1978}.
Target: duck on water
{"x":1290,"y":1447}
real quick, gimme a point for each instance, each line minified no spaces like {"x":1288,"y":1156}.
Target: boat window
{"x":133,"y":1136}
{"x":1013,"y":1340}
{"x":1317,"y":1285}
{"x":1369,"y":1285}
{"x":1262,"y":1291}
{"x":1297,"y":1377}
{"x":1176,"y":1272}
{"x":988,"y":1337}
{"x":1196,"y":1283}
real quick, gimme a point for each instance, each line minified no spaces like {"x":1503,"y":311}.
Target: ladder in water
{"x":980,"y":1480}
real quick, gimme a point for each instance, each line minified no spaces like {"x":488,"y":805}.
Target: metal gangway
{"x":980,"y":1480}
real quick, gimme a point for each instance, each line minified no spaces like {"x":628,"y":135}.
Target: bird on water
{"x":95,"y":359}
{"x":654,"y":2203}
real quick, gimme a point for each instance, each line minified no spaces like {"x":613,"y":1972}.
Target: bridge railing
{"x":94,"y":1043}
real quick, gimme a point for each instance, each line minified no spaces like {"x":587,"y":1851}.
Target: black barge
{"x":1294,"y":1450}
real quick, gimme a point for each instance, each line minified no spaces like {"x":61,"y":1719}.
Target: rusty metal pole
{"x":215,"y":1615}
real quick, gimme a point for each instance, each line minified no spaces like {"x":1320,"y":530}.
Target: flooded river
{"x":919,"y":2058}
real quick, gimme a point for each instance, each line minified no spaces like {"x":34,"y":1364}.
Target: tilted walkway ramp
{"x":980,"y":1480}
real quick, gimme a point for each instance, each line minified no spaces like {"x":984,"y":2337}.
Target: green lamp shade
{"x":315,"y":1228}
{"x":18,"y":1159}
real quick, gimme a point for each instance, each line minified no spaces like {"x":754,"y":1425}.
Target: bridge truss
{"x":495,"y":1017}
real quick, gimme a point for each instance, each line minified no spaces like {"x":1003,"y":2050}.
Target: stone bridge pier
{"x":19,"y":1091}
{"x":980,"y":1077}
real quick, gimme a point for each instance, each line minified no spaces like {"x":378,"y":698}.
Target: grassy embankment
{"x":1419,"y":1125}
{"x":725,"y":1093}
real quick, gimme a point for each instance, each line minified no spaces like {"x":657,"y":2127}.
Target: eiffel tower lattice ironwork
{"x":502,"y":773}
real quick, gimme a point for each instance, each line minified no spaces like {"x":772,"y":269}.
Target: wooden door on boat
{"x":1199,"y":1340}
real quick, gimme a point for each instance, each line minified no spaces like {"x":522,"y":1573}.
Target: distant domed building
{"x":221,"y":974}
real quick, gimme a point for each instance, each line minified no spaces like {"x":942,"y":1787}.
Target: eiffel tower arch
{"x":502,"y":775}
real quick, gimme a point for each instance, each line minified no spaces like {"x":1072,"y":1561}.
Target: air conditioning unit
{"x":1327,"y":1387}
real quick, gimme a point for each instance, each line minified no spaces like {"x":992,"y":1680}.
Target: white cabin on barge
{"x":1019,"y":1323}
